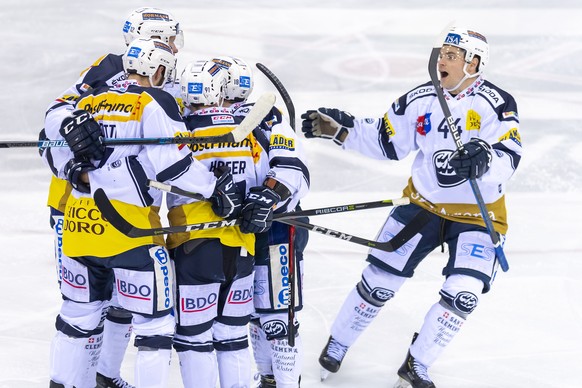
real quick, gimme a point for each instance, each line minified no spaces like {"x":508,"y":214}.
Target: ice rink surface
{"x":358,"y":56}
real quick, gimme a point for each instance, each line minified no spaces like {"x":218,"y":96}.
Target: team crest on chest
{"x":423,"y":124}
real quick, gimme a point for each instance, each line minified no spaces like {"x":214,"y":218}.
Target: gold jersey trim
{"x":86,"y":233}
{"x":198,"y":212}
{"x":59,"y":191}
{"x":461,"y":212}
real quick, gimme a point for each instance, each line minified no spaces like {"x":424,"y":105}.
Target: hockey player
{"x":278,"y":364}
{"x":489,"y":128}
{"x":96,"y":253}
{"x":214,"y":267}
{"x":107,"y":70}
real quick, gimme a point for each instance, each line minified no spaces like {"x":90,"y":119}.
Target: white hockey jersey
{"x":132,"y":112}
{"x":270,"y":150}
{"x":415,"y":122}
{"x":105,"y":71}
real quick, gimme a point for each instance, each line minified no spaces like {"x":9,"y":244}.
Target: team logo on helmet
{"x":453,"y":39}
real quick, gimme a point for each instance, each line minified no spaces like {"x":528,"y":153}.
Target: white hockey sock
{"x":439,"y":328}
{"x":198,"y":369}
{"x":261,"y":349}
{"x":287,"y":362}
{"x":353,"y":318}
{"x":73,"y":361}
{"x":116,"y":337}
{"x":152,"y":368}
{"x":234,"y":368}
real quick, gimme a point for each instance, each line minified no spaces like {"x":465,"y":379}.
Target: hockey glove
{"x":83,"y":134}
{"x":74,"y":170}
{"x":327,"y":123}
{"x":226,"y":199}
{"x":473,"y":161}
{"x":257,"y":211}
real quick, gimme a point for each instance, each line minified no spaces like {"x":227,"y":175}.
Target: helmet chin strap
{"x":467,"y":76}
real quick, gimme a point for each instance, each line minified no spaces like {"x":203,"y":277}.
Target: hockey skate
{"x":108,"y":382}
{"x":331,"y":357}
{"x":413,"y":374}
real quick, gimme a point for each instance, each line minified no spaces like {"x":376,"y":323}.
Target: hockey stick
{"x":291,"y":302}
{"x":260,"y":109}
{"x":432,"y":70}
{"x":291,"y":112}
{"x":282,"y":91}
{"x":302,"y":213}
{"x":392,"y":245}
{"x":111,"y":214}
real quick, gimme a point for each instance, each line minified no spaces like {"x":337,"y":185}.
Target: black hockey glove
{"x":74,"y":169}
{"x":327,"y":123}
{"x":473,"y":161}
{"x":257,"y":211}
{"x":226,"y":199}
{"x":83,"y":134}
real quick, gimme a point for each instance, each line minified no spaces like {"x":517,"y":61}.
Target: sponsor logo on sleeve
{"x":280,"y":142}
{"x":388,"y":127}
{"x":512,"y":134}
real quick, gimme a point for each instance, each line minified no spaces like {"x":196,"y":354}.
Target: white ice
{"x":358,"y":56}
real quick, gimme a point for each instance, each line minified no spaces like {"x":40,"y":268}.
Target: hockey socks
{"x":354,"y":317}
{"x":198,"y":369}
{"x":287,"y":362}
{"x":439,"y":328}
{"x":115,"y":340}
{"x":73,"y":361}
{"x":152,"y":368}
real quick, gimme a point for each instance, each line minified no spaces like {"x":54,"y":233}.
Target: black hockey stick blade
{"x":111,"y":214}
{"x":409,"y":231}
{"x":433,"y":73}
{"x":258,"y":112}
{"x":282,"y":91}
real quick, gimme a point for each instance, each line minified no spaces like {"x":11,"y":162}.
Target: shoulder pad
{"x":166,"y":101}
{"x":424,"y":90}
{"x":502,"y":102}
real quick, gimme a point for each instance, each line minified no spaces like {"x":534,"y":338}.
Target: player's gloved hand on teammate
{"x":327,"y":123}
{"x":226,"y":199}
{"x":83,"y":134}
{"x":75,"y":171}
{"x":257,"y":211}
{"x":473,"y":161}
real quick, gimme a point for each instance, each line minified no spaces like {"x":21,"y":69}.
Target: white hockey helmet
{"x":144,"y":56}
{"x":240,"y":81}
{"x":472,"y":42}
{"x":153,"y":22}
{"x":202,"y":83}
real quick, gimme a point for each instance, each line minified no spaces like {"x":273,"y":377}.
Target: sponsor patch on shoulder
{"x":510,"y":114}
{"x":492,"y":95}
{"x":419,"y":92}
{"x":280,"y":142}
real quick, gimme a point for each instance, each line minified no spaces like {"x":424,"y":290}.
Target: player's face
{"x":450,"y":66}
